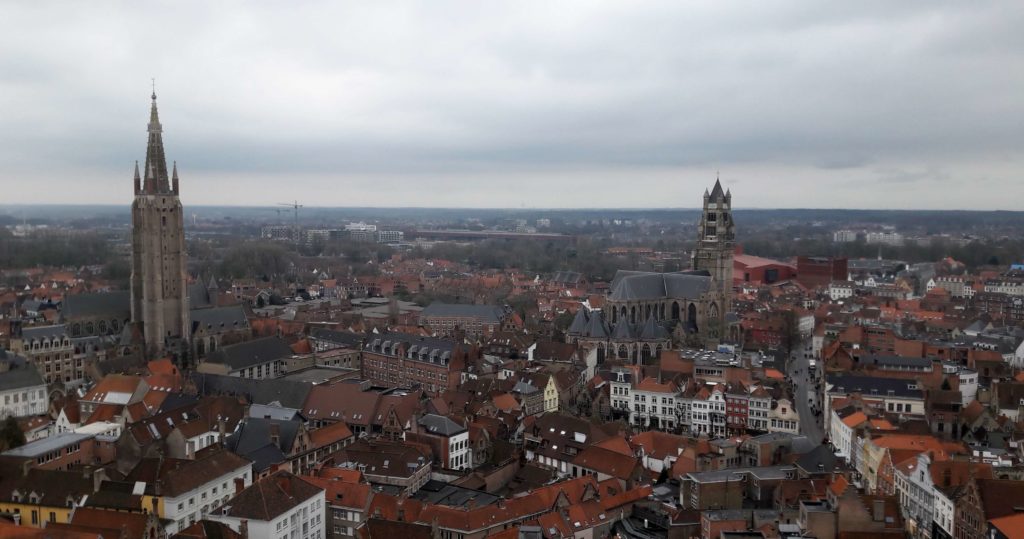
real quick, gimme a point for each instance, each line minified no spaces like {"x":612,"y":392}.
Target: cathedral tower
{"x":159,"y":294}
{"x":716,"y":241}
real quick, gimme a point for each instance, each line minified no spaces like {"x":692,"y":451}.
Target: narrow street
{"x":805,"y":396}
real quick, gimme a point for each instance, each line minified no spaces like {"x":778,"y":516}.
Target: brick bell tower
{"x":158,"y":283}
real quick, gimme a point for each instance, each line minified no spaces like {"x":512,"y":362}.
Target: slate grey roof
{"x":490,"y":314}
{"x":717,"y":191}
{"x":579,"y":322}
{"x":219,"y":318}
{"x":265,"y":457}
{"x":113,"y":305}
{"x":253,"y":433}
{"x":250,"y":353}
{"x":45,"y":445}
{"x":623,"y":330}
{"x":20,"y":374}
{"x":644,"y":286}
{"x":274,"y":412}
{"x":440,"y":425}
{"x":346,"y":338}
{"x":44,"y":332}
{"x":597,"y":327}
{"x":287,"y":393}
{"x":652,"y":331}
{"x":199,"y":296}
{"x":897,"y":362}
{"x":436,"y":349}
{"x":871,"y":385}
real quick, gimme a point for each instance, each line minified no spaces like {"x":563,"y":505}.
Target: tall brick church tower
{"x":159,"y":294}
{"x":716,"y":241}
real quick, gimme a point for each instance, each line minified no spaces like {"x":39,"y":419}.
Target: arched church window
{"x":675,"y":310}
{"x":90,"y":329}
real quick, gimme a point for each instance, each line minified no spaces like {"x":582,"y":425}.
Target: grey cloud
{"x":579,"y":93}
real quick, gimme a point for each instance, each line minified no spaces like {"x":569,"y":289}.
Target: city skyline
{"x":522,"y":105}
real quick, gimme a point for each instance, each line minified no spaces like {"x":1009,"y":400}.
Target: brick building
{"x":815,"y":271}
{"x":403,"y":360}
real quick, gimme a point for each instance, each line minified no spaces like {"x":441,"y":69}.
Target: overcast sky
{"x":511,"y":104}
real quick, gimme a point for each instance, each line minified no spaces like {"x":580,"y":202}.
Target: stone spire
{"x":716,"y":191}
{"x":156,"y":163}
{"x":138,"y":179}
{"x":174,"y":178}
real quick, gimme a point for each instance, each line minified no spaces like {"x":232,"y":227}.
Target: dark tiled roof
{"x":199,"y":296}
{"x":346,"y":338}
{"x":288,"y":393}
{"x":219,"y":318}
{"x":254,"y":352}
{"x":255,"y":432}
{"x":113,"y":305}
{"x":440,"y":425}
{"x":192,"y":474}
{"x":271,"y":497}
{"x":44,"y":332}
{"x":19,"y":373}
{"x":579,"y":322}
{"x":486,"y":313}
{"x":642,"y":286}
{"x":871,"y":385}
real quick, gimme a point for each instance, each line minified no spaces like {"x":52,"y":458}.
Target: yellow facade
{"x":36,"y":515}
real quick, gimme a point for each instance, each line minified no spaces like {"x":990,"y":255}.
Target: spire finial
{"x":153,"y":81}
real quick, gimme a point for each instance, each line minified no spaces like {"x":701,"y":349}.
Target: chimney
{"x":275,"y":433}
{"x":99,"y":475}
{"x":878,"y":513}
{"x":243,"y":528}
{"x":221,"y":430}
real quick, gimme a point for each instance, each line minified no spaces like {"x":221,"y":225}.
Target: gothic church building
{"x":647,"y":312}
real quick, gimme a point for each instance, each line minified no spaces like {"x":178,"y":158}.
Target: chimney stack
{"x":275,"y":433}
{"x":878,"y":513}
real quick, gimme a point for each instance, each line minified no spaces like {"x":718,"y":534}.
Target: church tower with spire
{"x":158,"y":283}
{"x":716,"y":241}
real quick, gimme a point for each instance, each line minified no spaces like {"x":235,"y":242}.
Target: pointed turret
{"x":138,"y":179}
{"x":174,"y":178}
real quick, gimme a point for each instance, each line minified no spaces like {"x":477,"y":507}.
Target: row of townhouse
{"x":699,"y":408}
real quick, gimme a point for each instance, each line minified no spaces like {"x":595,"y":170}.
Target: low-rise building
{"x":280,"y":505}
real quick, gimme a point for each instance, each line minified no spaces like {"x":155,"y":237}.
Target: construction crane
{"x":295,"y":230}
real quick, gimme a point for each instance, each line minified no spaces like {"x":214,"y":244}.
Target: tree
{"x":11,"y":435}
{"x":789,"y":328}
